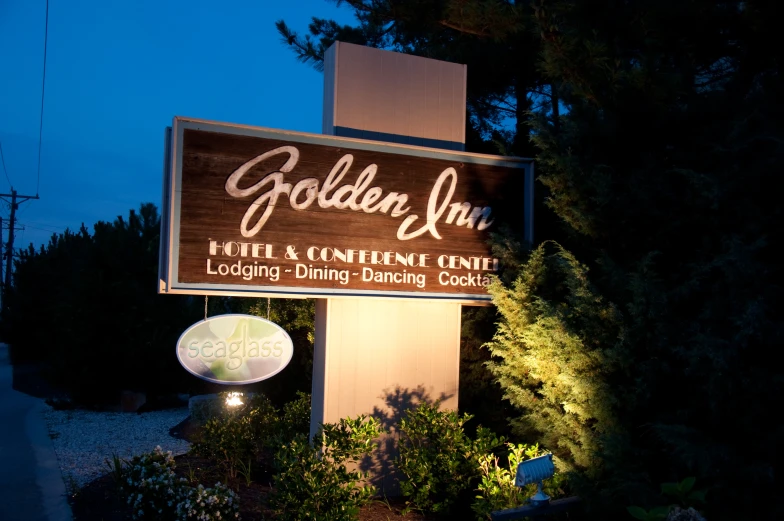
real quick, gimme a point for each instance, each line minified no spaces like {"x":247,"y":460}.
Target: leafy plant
{"x":556,"y":343}
{"x":154,"y":492}
{"x":296,"y":417}
{"x":246,"y":471}
{"x":235,"y":436}
{"x":654,"y":514}
{"x":116,"y":467}
{"x":191,"y":475}
{"x":682,"y":491}
{"x":228,"y":440}
{"x":438,"y":459}
{"x":200,"y":503}
{"x":96,"y":275}
{"x":497,"y":489}
{"x":72,"y":486}
{"x":150,"y":485}
{"x":263,"y":419}
{"x":321,"y":483}
{"x":241,"y":436}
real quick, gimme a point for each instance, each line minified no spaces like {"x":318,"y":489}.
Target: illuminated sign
{"x":250,"y":210}
{"x":234,"y":349}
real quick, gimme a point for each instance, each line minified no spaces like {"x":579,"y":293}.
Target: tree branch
{"x":450,"y":25}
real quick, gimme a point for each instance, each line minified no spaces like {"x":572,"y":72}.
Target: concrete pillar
{"x":378,"y":356}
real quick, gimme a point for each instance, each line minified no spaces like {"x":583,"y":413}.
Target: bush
{"x":218,"y":502}
{"x":296,"y":417}
{"x":206,"y":407}
{"x":98,"y":299}
{"x":686,"y":499}
{"x":265,"y":420}
{"x":235,"y":437}
{"x":440,"y":462}
{"x":154,"y":492}
{"x":497,"y":489}
{"x":320,"y":483}
{"x":230,"y":441}
{"x":150,"y":485}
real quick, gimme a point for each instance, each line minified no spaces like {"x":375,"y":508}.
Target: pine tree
{"x":556,"y":344}
{"x":663,"y":171}
{"x":640,"y":351}
{"x":483,"y":34}
{"x":84,"y":306}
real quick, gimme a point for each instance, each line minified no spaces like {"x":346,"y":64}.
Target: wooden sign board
{"x":257,"y":211}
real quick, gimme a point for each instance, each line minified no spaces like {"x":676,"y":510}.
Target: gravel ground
{"x":83,"y":440}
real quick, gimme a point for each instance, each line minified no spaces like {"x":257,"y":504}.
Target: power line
{"x":23,"y":209}
{"x":47,"y":225}
{"x":28,"y":225}
{"x":4,"y":170}
{"x":43,"y":90}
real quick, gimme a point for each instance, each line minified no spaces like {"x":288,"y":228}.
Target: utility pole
{"x":2,"y":286}
{"x":9,"y":250}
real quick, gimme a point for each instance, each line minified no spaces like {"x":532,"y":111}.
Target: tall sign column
{"x":379,"y":355}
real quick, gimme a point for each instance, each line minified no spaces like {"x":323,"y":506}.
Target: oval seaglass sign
{"x":234,"y":349}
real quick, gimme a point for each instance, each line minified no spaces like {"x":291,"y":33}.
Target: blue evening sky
{"x":116,"y":74}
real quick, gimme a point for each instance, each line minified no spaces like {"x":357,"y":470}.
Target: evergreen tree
{"x":641,"y":350}
{"x":85,"y":306}
{"x":105,"y":327}
{"x":483,"y":34}
{"x":662,"y":172}
{"x":556,"y":347}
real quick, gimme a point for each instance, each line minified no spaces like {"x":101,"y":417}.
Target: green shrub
{"x":296,"y":417}
{"x":150,"y":485}
{"x":438,"y":459}
{"x":320,"y":483}
{"x":229,"y":441}
{"x":206,"y":408}
{"x":87,"y":281}
{"x":234,"y":437}
{"x":200,"y":503}
{"x":497,"y":490}
{"x":154,"y":492}
{"x":687,"y":498}
{"x":263,"y":418}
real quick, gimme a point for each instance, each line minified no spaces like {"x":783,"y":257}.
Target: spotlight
{"x":234,"y":399}
{"x":534,"y":471}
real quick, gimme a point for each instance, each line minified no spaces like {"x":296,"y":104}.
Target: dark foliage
{"x":663,"y":171}
{"x":657,"y":127}
{"x":86,"y":306}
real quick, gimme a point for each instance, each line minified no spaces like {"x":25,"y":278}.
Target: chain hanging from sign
{"x":234,"y":349}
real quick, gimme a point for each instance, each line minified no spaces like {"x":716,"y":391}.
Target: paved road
{"x":31,"y":486}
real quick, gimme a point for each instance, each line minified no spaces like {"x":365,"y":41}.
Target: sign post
{"x":376,"y":356}
{"x":383,"y":219}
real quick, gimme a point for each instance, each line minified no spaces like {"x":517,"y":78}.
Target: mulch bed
{"x":101,"y":501}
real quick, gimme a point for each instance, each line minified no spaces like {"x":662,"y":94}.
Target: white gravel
{"x":83,"y":440}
